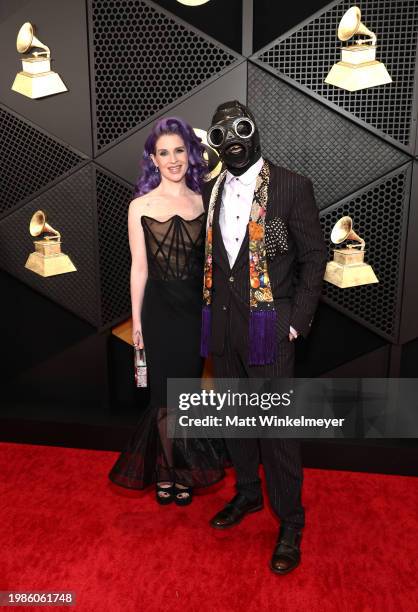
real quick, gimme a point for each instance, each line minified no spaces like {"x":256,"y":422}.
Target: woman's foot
{"x":164,"y":493}
{"x":183,"y":495}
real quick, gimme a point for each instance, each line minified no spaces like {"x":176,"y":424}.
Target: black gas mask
{"x":234,"y":135}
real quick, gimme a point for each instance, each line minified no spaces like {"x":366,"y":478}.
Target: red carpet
{"x":63,"y":526}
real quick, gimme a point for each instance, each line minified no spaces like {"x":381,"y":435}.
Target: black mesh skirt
{"x":152,"y":457}
{"x":171,"y":323}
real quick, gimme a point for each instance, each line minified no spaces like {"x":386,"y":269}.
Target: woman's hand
{"x":137,"y":337}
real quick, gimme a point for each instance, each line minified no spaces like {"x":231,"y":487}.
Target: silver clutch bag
{"x":140,"y":364}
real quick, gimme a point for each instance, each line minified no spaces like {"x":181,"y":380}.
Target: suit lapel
{"x":243,"y":253}
{"x":219,"y":251}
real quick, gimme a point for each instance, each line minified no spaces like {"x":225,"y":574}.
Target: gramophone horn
{"x":351,"y":24}
{"x":210,"y":155}
{"x":343,"y":230}
{"x":38,"y":225}
{"x":26,"y":39}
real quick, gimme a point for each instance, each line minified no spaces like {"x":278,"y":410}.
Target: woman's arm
{"x":139,"y":267}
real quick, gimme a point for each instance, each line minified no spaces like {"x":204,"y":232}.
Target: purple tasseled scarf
{"x":262,"y":339}
{"x":262,"y":336}
{"x":206,"y":326}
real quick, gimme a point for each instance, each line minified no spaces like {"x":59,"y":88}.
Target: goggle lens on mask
{"x":242,"y":127}
{"x":216,"y":136}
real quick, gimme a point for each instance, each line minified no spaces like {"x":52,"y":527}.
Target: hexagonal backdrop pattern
{"x":30,"y":159}
{"x":314,"y":140}
{"x":380,"y":215}
{"x":144,"y":60}
{"x":71,"y":210}
{"x":123,"y":158}
{"x":306,"y":55}
{"x":61,"y":25}
{"x":146,"y":63}
{"x":113,"y":197}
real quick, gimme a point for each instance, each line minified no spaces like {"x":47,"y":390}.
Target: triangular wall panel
{"x":70,"y":209}
{"x":113,"y":196}
{"x":124,"y":158}
{"x":307,"y":53}
{"x":308,"y":137}
{"x":61,"y":25}
{"x":30,"y":160}
{"x":380,"y":214}
{"x":143,"y":60}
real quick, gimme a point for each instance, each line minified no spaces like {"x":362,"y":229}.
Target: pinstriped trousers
{"x":280,"y":457}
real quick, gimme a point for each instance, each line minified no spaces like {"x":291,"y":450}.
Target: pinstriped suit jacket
{"x":296,"y":271}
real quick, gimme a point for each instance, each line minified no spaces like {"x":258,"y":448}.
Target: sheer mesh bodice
{"x":174,"y":247}
{"x":171,"y":322}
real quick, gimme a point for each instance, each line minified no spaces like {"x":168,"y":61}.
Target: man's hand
{"x":293,"y":334}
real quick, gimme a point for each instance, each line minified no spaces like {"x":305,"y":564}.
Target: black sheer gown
{"x":171,"y":324}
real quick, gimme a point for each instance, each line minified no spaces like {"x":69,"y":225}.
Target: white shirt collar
{"x":249,"y":175}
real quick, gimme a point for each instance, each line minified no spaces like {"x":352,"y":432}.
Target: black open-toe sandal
{"x":164,"y":495}
{"x":183,"y":496}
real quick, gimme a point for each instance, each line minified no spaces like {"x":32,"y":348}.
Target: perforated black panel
{"x":143,"y":61}
{"x":113,"y":199}
{"x":29,"y":160}
{"x":308,"y":54}
{"x":310,"y":138}
{"x":379,"y":216}
{"x":69,"y":207}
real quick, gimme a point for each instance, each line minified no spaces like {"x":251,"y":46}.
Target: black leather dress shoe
{"x":286,"y":554}
{"x":234,"y":512}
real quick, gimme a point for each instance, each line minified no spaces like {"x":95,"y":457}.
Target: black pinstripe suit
{"x":296,"y":281}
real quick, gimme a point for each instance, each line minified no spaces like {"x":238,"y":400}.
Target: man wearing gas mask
{"x":265,"y":258}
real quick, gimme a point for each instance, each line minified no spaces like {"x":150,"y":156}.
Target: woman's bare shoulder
{"x":143,"y":204}
{"x":197,"y":201}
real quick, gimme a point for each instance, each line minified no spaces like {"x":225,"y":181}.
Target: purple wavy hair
{"x":149,"y":179}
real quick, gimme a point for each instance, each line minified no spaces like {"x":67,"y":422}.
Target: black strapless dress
{"x":171,"y":325}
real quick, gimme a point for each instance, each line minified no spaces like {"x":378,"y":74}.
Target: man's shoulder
{"x":285,"y":174}
{"x":207,"y":190}
{"x":208,"y":185}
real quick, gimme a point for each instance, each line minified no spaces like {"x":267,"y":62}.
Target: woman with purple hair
{"x":166,"y":237}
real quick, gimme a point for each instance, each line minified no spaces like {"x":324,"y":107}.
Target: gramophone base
{"x":49,"y":265}
{"x":349,"y":276}
{"x":354,"y":77}
{"x":38,"y":85}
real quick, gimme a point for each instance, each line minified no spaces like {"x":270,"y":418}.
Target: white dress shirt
{"x":237,"y":199}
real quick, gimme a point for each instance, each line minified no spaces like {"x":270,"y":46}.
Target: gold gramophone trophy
{"x":210,"y":155}
{"x":348,"y":268}
{"x":358,"y":68}
{"x":47,"y":259}
{"x":36,"y":80}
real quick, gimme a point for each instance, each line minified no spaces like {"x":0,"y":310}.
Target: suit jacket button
{"x":231,"y":279}
{"x":224,"y":307}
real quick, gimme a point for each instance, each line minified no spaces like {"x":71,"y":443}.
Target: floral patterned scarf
{"x":263,"y":316}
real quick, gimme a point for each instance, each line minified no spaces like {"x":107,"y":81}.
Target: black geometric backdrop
{"x":310,"y":138}
{"x":133,"y":42}
{"x":143,"y":63}
{"x":306,"y":55}
{"x":380,"y":212}
{"x":112,"y":195}
{"x":70,"y":208}
{"x":30,"y":160}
